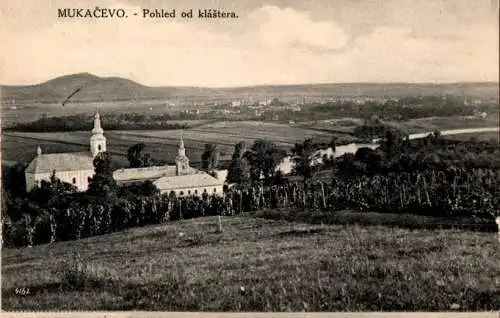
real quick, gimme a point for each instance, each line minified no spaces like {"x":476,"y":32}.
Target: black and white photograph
{"x":252,"y":156}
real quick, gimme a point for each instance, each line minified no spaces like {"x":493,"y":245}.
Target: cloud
{"x":388,"y":53}
{"x":267,"y":45}
{"x":281,"y":28}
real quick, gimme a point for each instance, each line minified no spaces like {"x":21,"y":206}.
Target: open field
{"x":337,"y":125}
{"x":258,"y":265}
{"x":232,"y":132}
{"x":446,"y":123}
{"x":161,"y":144}
{"x":22,"y":146}
{"x":33,"y":112}
{"x":485,"y":136}
{"x":347,"y":125}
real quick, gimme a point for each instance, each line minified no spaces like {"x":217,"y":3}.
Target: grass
{"x":257,"y":264}
{"x":399,"y":220}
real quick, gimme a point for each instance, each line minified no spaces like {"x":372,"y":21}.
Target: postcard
{"x":261,"y":157}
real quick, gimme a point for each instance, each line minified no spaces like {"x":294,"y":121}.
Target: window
{"x":89,"y":179}
{"x":181,"y":193}
{"x":195,"y":191}
{"x":74,"y":180}
{"x":189,"y":191}
{"x":99,"y":147}
{"x":215,"y":190}
{"x":204,"y":190}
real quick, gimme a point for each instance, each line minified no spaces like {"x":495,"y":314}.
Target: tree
{"x":393,"y":143}
{"x":210,"y":158}
{"x":333,"y":143}
{"x":369,"y":159}
{"x":303,"y":156}
{"x":437,"y":137}
{"x":149,"y":188}
{"x":437,"y":134}
{"x":135,"y":157}
{"x":50,"y":190}
{"x":13,"y":180}
{"x":264,"y":157}
{"x":275,"y":102}
{"x":102,"y":184}
{"x":239,"y":170}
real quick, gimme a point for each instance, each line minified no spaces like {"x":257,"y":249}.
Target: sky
{"x":272,"y":42}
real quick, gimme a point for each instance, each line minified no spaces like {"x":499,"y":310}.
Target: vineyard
{"x":452,"y":193}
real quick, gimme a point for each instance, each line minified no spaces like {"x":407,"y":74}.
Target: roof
{"x":72,"y":161}
{"x":146,"y":173}
{"x":187,"y":181}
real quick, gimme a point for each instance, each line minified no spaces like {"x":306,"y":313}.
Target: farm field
{"x":161,"y":144}
{"x":485,"y":136}
{"x":420,"y":125}
{"x":445,"y":123}
{"x":31,"y":111}
{"x":258,"y":265}
{"x":232,"y":132}
{"x":22,"y":146}
{"x":338,"y":125}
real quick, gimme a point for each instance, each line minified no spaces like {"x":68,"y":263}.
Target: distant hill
{"x":93,"y":88}
{"x":97,"y":89}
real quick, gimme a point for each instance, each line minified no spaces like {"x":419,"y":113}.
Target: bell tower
{"x":97,"y":140}
{"x":181,"y":160}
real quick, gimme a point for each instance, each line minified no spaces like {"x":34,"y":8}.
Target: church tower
{"x":97,"y":141}
{"x":182,"y":161}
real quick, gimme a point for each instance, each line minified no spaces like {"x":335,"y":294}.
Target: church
{"x":180,"y":178}
{"x":77,"y":169}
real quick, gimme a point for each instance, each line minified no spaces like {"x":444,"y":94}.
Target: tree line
{"x":403,"y":109}
{"x":80,"y":122}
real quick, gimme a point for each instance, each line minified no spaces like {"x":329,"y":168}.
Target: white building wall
{"x":30,"y":181}
{"x":81,"y":178}
{"x":192,"y":190}
{"x":287,"y":163}
{"x":221,"y":175}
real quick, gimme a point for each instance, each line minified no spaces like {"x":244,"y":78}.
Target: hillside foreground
{"x":257,"y":265}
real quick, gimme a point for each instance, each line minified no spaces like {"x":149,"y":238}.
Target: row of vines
{"x":456,"y":192}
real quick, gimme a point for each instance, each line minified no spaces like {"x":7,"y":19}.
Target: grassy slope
{"x":258,"y":264}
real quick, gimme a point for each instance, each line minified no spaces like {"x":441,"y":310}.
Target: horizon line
{"x":254,"y":85}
